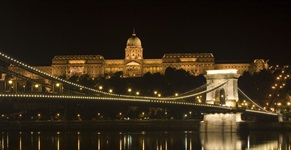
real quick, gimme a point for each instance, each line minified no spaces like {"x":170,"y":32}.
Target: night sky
{"x":234,"y":31}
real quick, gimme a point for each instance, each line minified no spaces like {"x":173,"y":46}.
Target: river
{"x":144,"y":140}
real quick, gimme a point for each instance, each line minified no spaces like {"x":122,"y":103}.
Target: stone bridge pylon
{"x":227,"y":94}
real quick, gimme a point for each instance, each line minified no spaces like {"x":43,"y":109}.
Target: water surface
{"x":144,"y":140}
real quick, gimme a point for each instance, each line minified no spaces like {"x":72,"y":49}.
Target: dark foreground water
{"x":145,"y":140}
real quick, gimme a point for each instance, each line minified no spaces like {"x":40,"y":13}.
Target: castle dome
{"x":133,"y":41}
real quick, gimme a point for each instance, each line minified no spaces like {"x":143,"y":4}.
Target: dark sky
{"x":242,"y":30}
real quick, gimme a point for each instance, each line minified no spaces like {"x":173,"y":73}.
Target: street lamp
{"x":100,"y":87}
{"x":19,"y":117}
{"x":10,"y":85}
{"x":58,"y":88}
{"x":166,"y":114}
{"x":58,"y":116}
{"x":155,"y":92}
{"x":79,"y":117}
{"x":38,"y":116}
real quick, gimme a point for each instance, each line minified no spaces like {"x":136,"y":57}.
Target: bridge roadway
{"x":116,"y":101}
{"x":252,"y":119}
{"x":121,"y":101}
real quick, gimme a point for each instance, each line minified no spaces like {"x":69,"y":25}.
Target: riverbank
{"x":132,"y":125}
{"x":102,"y":125}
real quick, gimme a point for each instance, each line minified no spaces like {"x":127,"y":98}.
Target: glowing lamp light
{"x":227,"y":104}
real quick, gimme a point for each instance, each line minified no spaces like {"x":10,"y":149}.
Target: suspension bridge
{"x":221,"y":92}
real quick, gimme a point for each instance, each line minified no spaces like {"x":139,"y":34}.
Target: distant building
{"x":134,"y":65}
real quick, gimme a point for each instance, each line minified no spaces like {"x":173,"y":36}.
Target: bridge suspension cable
{"x":251,"y":100}
{"x":195,"y":90}
{"x":183,"y":96}
{"x":26,"y":67}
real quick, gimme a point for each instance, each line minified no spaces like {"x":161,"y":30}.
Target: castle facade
{"x":134,"y":65}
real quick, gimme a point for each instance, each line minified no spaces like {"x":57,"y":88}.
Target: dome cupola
{"x":133,"y":41}
{"x":133,"y":50}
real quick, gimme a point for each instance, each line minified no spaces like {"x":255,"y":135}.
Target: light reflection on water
{"x":149,"y":140}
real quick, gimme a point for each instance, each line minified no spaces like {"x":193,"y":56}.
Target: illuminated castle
{"x":134,"y":65}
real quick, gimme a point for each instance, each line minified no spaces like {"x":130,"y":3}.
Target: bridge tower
{"x":226,"y":94}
